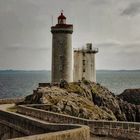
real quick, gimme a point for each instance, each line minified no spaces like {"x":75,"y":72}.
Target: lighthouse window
{"x":62,"y":21}
{"x":61,"y":57}
{"x":60,"y":68}
{"x":84,"y":70}
{"x":84,"y":62}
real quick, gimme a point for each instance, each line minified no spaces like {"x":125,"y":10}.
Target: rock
{"x":63,"y":83}
{"x":74,"y":108}
{"x":131,"y":96}
{"x":61,"y":104}
{"x":84,"y":113}
{"x":55,"y":108}
{"x":86,"y":100}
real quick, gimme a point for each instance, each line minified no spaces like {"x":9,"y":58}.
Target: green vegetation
{"x":75,"y":88}
{"x":12,"y":109}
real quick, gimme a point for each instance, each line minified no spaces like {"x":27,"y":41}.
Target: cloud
{"x":19,"y":47}
{"x":113,"y":43}
{"x":118,"y":48}
{"x":108,"y":44}
{"x":100,"y":2}
{"x":92,"y":2}
{"x":119,"y":55}
{"x":132,"y":10}
{"x":25,"y":37}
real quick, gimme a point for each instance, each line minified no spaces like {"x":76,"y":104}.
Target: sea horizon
{"x":50,"y":70}
{"x":19,"y":83}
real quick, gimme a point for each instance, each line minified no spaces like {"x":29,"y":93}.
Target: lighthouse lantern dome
{"x":62,"y":19}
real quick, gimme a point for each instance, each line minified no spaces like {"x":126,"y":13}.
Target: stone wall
{"x":6,"y":131}
{"x":126,"y":130}
{"x":11,"y":100}
{"x":74,"y":134}
{"x":17,"y":125}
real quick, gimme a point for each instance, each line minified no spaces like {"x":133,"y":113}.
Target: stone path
{"x":5,"y":106}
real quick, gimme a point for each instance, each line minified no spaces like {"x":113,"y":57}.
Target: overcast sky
{"x":111,"y":25}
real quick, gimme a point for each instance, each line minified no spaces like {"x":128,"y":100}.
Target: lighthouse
{"x":62,"y":68}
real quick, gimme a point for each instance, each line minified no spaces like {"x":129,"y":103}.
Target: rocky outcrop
{"x":131,"y":96}
{"x":122,"y":110}
{"x":84,"y":99}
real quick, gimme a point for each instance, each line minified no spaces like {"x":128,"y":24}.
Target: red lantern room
{"x":62,"y":19}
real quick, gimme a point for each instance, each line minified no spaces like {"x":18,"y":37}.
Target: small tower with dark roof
{"x":62,"y":68}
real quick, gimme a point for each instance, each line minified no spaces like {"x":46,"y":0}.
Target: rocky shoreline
{"x":84,"y":99}
{"x":131,"y":96}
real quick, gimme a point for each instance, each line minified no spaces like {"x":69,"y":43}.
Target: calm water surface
{"x":17,"y":84}
{"x":118,"y":81}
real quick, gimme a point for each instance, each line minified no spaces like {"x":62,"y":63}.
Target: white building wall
{"x":90,"y":71}
{"x":78,"y":66}
{"x":84,"y":65}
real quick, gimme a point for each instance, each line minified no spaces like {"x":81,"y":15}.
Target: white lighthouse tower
{"x":62,"y":68}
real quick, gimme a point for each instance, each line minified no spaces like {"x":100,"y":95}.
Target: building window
{"x":83,"y":78}
{"x":60,"y":68}
{"x":61,"y":57}
{"x":84,"y":62}
{"x":84,"y":70}
{"x":83,"y":53}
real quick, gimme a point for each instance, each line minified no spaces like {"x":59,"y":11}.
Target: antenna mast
{"x":52,"y":20}
{"x":62,"y":11}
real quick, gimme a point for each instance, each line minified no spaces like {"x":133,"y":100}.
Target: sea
{"x":15,"y":83}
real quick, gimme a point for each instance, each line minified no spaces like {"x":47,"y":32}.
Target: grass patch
{"x":75,"y":88}
{"x":12,"y":109}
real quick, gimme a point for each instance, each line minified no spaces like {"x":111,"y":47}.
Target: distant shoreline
{"x":99,"y":70}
